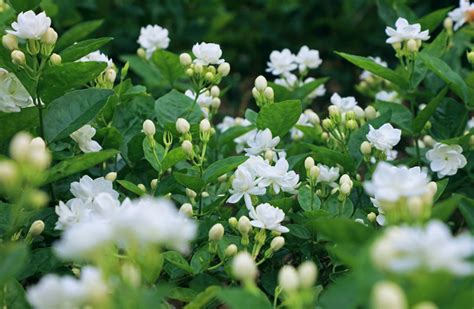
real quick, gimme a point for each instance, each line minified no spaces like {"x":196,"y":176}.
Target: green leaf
{"x":422,"y":118}
{"x":149,"y":73}
{"x":331,"y":157}
{"x":174,"y":105}
{"x":71,"y":111}
{"x":154,"y":155}
{"x":377,"y":69}
{"x":279,"y":117}
{"x":203,"y":298}
{"x":300,"y":93}
{"x":77,"y":33}
{"x":237,"y":298}
{"x":467,"y":209}
{"x":15,"y":122}
{"x":201,"y":259}
{"x":308,"y":200}
{"x":340,"y":209}
{"x":174,"y":156}
{"x":24,"y":5}
{"x":83,"y":48}
{"x":341,"y":230}
{"x":299,"y":231}
{"x":400,"y":115}
{"x":77,"y":164}
{"x":443,"y":210}
{"x":450,"y":77}
{"x":13,"y":257}
{"x":441,"y":186}
{"x":432,"y":20}
{"x":177,"y":260}
{"x":131,"y":187}
{"x":57,"y":80}
{"x":222,"y":167}
{"x":229,"y":135}
{"x":189,"y":181}
{"x":169,"y":65}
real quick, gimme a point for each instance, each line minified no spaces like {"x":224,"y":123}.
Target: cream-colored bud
{"x":388,"y":295}
{"x":359,"y":112}
{"x":314,"y":172}
{"x":55,"y":59}
{"x":334,"y":110}
{"x":215,"y":91}
{"x":345,"y":179}
{"x":216,"y":232}
{"x":189,"y":72}
{"x":205,"y":126}
{"x":370,"y":112}
{"x":198,"y":68}
{"x":154,"y":184}
{"x":209,"y":76}
{"x":49,"y":37}
{"x":224,"y":69}
{"x":233,"y":222}
{"x":260,"y":83}
{"x":36,"y":228}
{"x":277,"y":243}
{"x":366,"y":148}
{"x":149,"y":128}
{"x":328,"y":124}
{"x":185,"y":59}
{"x":244,"y":225}
{"x":205,"y":194}
{"x":20,"y":146}
{"x":244,"y":267}
{"x":308,"y":163}
{"x":288,"y":278}
{"x":111,"y":176}
{"x":8,"y":172}
{"x":231,"y":250}
{"x":186,"y":209}
{"x":416,"y":206}
{"x":346,"y":188}
{"x":448,"y":24}
{"x":307,"y":273}
{"x":433,"y":187}
{"x":141,"y":53}
{"x":269,"y":94}
{"x":351,"y":124}
{"x":182,"y":125}
{"x":269,"y":154}
{"x":38,"y":199}
{"x":255,"y":93}
{"x":412,"y":45}
{"x":428,"y":140}
{"x":141,"y":187}
{"x":215,"y":103}
{"x":131,"y":274}
{"x":397,"y":45}
{"x":187,"y":147}
{"x":18,"y":57}
{"x":190,"y":193}
{"x":470,"y":57}
{"x":325,"y":136}
{"x":10,"y":41}
{"x":111,"y":75}
{"x":371,"y":217}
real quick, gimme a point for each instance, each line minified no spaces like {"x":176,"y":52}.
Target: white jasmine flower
{"x":384,"y":138}
{"x":97,"y":56}
{"x":470,"y":123}
{"x":390,"y":183}
{"x":207,"y":53}
{"x":204,"y":100}
{"x":345,"y":104}
{"x":30,"y":26}
{"x":153,"y":37}
{"x":244,"y":185}
{"x":328,"y":174}
{"x":388,"y":96}
{"x":282,"y":62}
{"x":302,"y":121}
{"x":366,"y":74}
{"x":230,"y":122}
{"x":242,"y":140}
{"x":83,"y":138}
{"x":308,"y":59}
{"x":265,"y":216}
{"x":255,"y":165}
{"x":403,"y":249}
{"x":318,"y":92}
{"x":462,"y":14}
{"x":446,"y":159}
{"x":404,"y":32}
{"x":261,"y":142}
{"x":87,"y":189}
{"x":380,"y":219}
{"x":13,"y":96}
{"x":279,"y":178}
{"x":289,"y":81}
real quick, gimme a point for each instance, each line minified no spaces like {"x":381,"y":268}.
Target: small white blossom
{"x":204,"y":100}
{"x":289,"y":81}
{"x":30,"y":26}
{"x":153,"y":37}
{"x":308,"y":59}
{"x":87,"y":188}
{"x":384,"y":138}
{"x":265,"y":216}
{"x":230,"y":122}
{"x":328,"y":174}
{"x":366,"y":74}
{"x":403,"y":249}
{"x":241,"y":141}
{"x":345,"y":104}
{"x":318,"y":92}
{"x":388,"y":96}
{"x":13,"y":96}
{"x":83,"y":138}
{"x":462,"y":14}
{"x":207,"y":53}
{"x":261,"y":142}
{"x":282,"y":62}
{"x":404,"y":32}
{"x":244,"y":185}
{"x":446,"y":159}
{"x":97,"y":56}
{"x":279,"y":178}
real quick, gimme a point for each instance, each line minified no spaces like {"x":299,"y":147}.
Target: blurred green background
{"x":249,"y":30}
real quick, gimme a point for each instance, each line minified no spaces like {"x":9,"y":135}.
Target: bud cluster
{"x":204,"y":75}
{"x":262,"y":93}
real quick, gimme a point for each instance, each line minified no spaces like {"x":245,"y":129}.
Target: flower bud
{"x":141,"y":53}
{"x":205,"y":126}
{"x":288,"y":278}
{"x":307,"y":273}
{"x":371,"y":217}
{"x":244,"y":267}
{"x":49,"y":37}
{"x":186,"y":209}
{"x":141,"y":187}
{"x":351,"y":124}
{"x":111,"y":75}
{"x":10,"y":41}
{"x":433,"y":187}
{"x":149,"y":128}
{"x":216,"y":232}
{"x":412,"y":45}
{"x":38,"y":199}
{"x":388,"y":295}
{"x":189,"y":72}
{"x":359,"y":112}
{"x":334,"y":110}
{"x":187,"y":147}
{"x":224,"y":69}
{"x":36,"y":228}
{"x":448,"y":24}
{"x":231,"y":250}
{"x":470,"y":57}
{"x":18,"y":57}
{"x":260,"y":83}
{"x":346,"y":188}
{"x":20,"y":146}
{"x":215,"y":91}
{"x":111,"y":176}
{"x":428,"y":140}
{"x":397,"y":45}
{"x":370,"y":112}
{"x":350,"y":115}
{"x":222,"y":178}
{"x":190,"y":193}
{"x":269,"y":154}
{"x":415,"y":207}
{"x":308,"y":163}
{"x":325,"y":136}
{"x":185,"y":59}
{"x":366,"y":148}
{"x":313,"y":117}
{"x":205,"y":194}
{"x":215,"y":103}
{"x":55,"y":59}
{"x":209,"y":76}
{"x":277,"y":243}
{"x":154,"y":184}
{"x":244,"y":225}
{"x":269,"y":94}
{"x":233,"y":222}
{"x":255,"y":93}
{"x":8,"y":172}
{"x":328,"y":124}
{"x":345,"y":179}
{"x":182,"y":125}
{"x":198,"y":68}
{"x":314,"y":172}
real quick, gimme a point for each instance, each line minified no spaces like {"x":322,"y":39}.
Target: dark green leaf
{"x":169,"y":65}
{"x":237,"y":298}
{"x":174,"y":156}
{"x":24,"y":5}
{"x":400,"y":115}
{"x":341,"y":230}
{"x":153,"y":154}
{"x":331,"y":157}
{"x":432,"y":20}
{"x":77,"y":33}
{"x":222,"y":167}
{"x":425,"y":115}
{"x":189,"y":181}
{"x":307,"y":199}
{"x":131,"y":187}
{"x":15,"y":122}
{"x":174,"y":105}
{"x":177,"y":260}
{"x":13,"y":257}
{"x":83,"y":48}
{"x":279,"y":117}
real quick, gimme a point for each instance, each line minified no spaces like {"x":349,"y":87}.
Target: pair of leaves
{"x":279,"y":117}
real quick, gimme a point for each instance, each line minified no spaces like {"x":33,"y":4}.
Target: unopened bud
{"x":154,"y":184}
{"x":55,"y":59}
{"x":244,"y":225}
{"x":190,"y":193}
{"x":149,"y":128}
{"x":8,"y":172}
{"x":18,"y":57}
{"x":216,"y":232}
{"x":269,"y":154}
{"x":307,"y":273}
{"x":111,"y":75}
{"x":233,"y":222}
{"x":189,"y":72}
{"x":19,"y":146}
{"x":141,"y":53}
{"x":224,"y":69}
{"x":205,"y":194}
{"x":351,"y":124}
{"x":231,"y":250}
{"x":222,"y":178}
{"x":215,"y":103}
{"x":314,"y":172}
{"x":186,"y":209}
{"x":10,"y":41}
{"x":38,"y":199}
{"x":185,"y":59}
{"x":345,"y":179}
{"x":366,"y":148}
{"x":312,"y":116}
{"x":141,"y":187}
{"x":334,"y":110}
{"x":288,"y":278}
{"x":260,"y":83}
{"x":187,"y":147}
{"x":209,"y":76}
{"x":345,"y":188}
{"x":244,"y":267}
{"x":328,"y":124}
{"x":49,"y":37}
{"x":198,"y":68}
{"x":131,"y":274}
{"x":412,"y":46}
{"x":397,"y":45}
{"x":277,"y":243}
{"x":255,"y":93}
{"x":205,"y":126}
{"x":370,"y":112}
{"x":470,"y":57}
{"x":388,"y":295}
{"x":215,"y":91}
{"x":371,"y":217}
{"x":269,"y":94}
{"x":448,"y":24}
{"x":182,"y":125}
{"x":111,"y":176}
{"x":36,"y":228}
{"x":308,"y":163}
